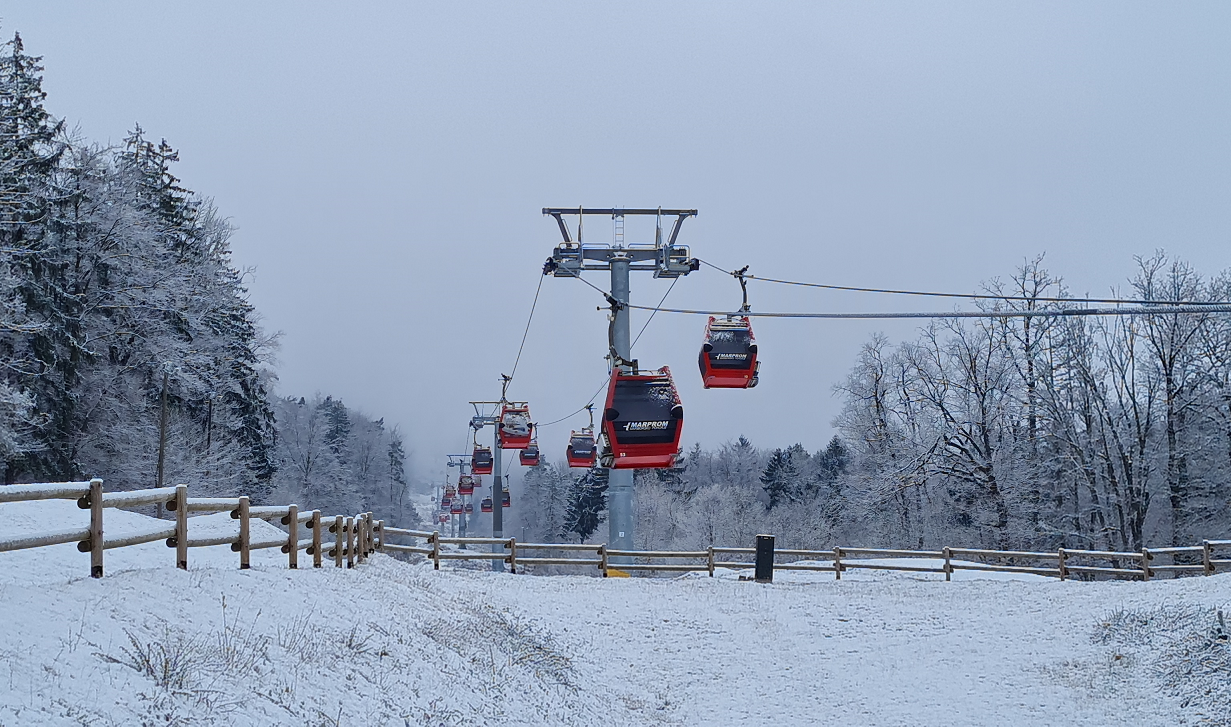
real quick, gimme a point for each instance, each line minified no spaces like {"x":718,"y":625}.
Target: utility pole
{"x":665,"y":260}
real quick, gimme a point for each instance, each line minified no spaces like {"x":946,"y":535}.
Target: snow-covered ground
{"x":395,"y":643}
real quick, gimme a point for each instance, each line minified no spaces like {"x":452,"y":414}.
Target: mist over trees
{"x":128,"y":347}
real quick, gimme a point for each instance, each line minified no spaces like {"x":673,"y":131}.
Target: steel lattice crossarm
{"x":665,"y":260}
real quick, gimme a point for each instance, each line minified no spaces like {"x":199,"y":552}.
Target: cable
{"x":1055,"y":313}
{"x":602,"y":386}
{"x":647,"y":320}
{"x":587,"y":282}
{"x":972,"y":296}
{"x":527,"y":331}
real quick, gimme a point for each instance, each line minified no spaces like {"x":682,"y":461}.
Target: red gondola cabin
{"x":506,"y":501}
{"x":481,"y":461}
{"x":469,"y":509}
{"x":643,"y":420}
{"x":486,"y":504}
{"x":581,"y":449}
{"x":465,"y":485}
{"x":456,"y":508}
{"x":444,"y":501}
{"x":444,"y":517}
{"x":515,"y":429}
{"x":728,"y":358}
{"x":530,"y":455}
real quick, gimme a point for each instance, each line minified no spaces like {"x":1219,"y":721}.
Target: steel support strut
{"x":497,"y":498}
{"x":620,"y":482}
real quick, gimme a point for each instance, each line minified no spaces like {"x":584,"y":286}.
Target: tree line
{"x":1107,"y":433}
{"x":128,"y":347}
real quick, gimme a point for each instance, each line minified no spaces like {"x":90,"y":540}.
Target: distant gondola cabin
{"x":530,"y":455}
{"x":728,"y":357}
{"x":581,"y":449}
{"x":481,"y":461}
{"x":515,"y":429}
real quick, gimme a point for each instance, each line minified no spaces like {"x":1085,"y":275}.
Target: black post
{"x":764,"y":571}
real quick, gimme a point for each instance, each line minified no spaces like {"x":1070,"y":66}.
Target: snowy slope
{"x":394,"y":643}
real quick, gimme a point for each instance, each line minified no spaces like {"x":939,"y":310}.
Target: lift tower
{"x":665,"y":260}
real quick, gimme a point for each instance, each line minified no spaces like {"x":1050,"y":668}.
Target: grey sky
{"x":386,"y":164}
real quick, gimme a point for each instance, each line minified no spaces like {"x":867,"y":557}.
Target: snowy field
{"x":391,"y":643}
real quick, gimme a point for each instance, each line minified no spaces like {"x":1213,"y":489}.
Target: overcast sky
{"x":386,"y":164}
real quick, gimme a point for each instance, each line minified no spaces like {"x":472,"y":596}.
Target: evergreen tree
{"x":587,"y":499}
{"x":338,"y":430}
{"x":41,"y":344}
{"x":776,"y":479}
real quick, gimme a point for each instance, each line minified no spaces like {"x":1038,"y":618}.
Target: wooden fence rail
{"x":362,"y":532}
{"x":358,"y":536}
{"x":1062,"y":563}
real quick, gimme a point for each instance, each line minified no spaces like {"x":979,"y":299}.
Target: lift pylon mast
{"x":665,"y":260}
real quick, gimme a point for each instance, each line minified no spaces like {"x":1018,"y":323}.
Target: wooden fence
{"x":354,"y":537}
{"x":1063,"y":563}
{"x":358,"y":536}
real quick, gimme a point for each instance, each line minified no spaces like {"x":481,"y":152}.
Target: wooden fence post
{"x":1145,"y":564}
{"x":245,"y":534}
{"x":948,"y":564}
{"x":350,"y":542}
{"x":181,"y":527}
{"x":709,"y":560}
{"x":602,"y":558}
{"x":1207,"y":558}
{"x":369,"y":535}
{"x":837,"y":564}
{"x":292,"y":537}
{"x":316,"y":538}
{"x":435,"y":541}
{"x":339,"y":526}
{"x":512,"y":546}
{"x":365,"y":530}
{"x":1064,"y":572}
{"x":380,"y":536}
{"x":96,"y":528}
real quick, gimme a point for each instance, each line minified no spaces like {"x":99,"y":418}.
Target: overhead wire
{"x":970,"y":296}
{"x":526,"y":333}
{"x":583,"y":408}
{"x":1037,"y":313}
{"x":655,"y":312}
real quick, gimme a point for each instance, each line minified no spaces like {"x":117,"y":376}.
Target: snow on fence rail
{"x":355,"y":538}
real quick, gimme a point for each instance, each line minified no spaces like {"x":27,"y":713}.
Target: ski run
{"x":395,"y":643}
